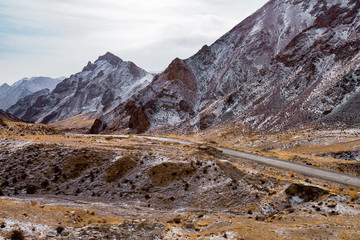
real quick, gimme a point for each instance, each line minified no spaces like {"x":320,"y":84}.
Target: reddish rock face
{"x":138,"y":120}
{"x":97,"y":127}
{"x":270,"y":72}
{"x":179,"y":71}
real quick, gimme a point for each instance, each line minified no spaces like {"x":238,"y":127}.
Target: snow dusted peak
{"x":98,"y":88}
{"x":111,"y":58}
{"x":89,"y":67}
{"x":5,"y":85}
{"x":21,"y":81}
{"x":9,"y":95}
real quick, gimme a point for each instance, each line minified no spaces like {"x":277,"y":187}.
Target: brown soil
{"x":120,"y":168}
{"x":165,"y":173}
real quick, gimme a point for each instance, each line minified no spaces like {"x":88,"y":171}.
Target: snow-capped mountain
{"x":291,"y":63}
{"x":98,"y":88}
{"x":9,"y":95}
{"x":313,"y":80}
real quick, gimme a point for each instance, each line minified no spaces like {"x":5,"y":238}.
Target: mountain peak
{"x":9,"y":95}
{"x":111,"y":58}
{"x":89,"y":67}
{"x":269,"y":72}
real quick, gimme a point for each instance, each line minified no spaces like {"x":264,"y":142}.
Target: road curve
{"x":307,"y":170}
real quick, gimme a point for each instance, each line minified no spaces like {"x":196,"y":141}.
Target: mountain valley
{"x":117,"y":152}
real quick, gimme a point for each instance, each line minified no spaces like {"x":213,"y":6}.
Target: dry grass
{"x":79,"y":123}
{"x":36,"y":213}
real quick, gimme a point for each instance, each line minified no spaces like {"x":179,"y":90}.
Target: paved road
{"x":307,"y":170}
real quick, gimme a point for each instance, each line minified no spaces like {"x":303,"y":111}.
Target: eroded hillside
{"x":68,"y":186}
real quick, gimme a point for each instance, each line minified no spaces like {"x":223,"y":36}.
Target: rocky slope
{"x":291,"y":63}
{"x":98,"y":88}
{"x":314,"y":80}
{"x":9,"y":95}
{"x":19,"y":109}
{"x":4,"y":116}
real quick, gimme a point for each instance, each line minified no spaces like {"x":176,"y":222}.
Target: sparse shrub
{"x":30,"y":189}
{"x":17,"y":235}
{"x":2,"y":123}
{"x":291,"y":210}
{"x":44,"y":183}
{"x":187,"y":186}
{"x":59,"y":229}
{"x":177,"y":220}
{"x":109,"y":138}
{"x":260,"y":218}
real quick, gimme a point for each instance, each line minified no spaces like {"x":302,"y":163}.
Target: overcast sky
{"x":58,"y":37}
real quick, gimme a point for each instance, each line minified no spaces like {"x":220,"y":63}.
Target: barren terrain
{"x":68,"y":186}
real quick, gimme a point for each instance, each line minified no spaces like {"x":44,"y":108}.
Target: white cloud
{"x":58,"y":37}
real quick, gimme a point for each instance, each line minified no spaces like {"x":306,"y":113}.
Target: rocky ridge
{"x":19,"y":109}
{"x":98,"y":88}
{"x":9,"y":95}
{"x":277,"y":69}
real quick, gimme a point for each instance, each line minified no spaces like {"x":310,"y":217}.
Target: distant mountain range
{"x":9,"y":95}
{"x":97,"y":89}
{"x":289,"y":65}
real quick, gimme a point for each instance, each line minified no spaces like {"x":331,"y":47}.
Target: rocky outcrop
{"x":305,"y":192}
{"x":166,"y":102}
